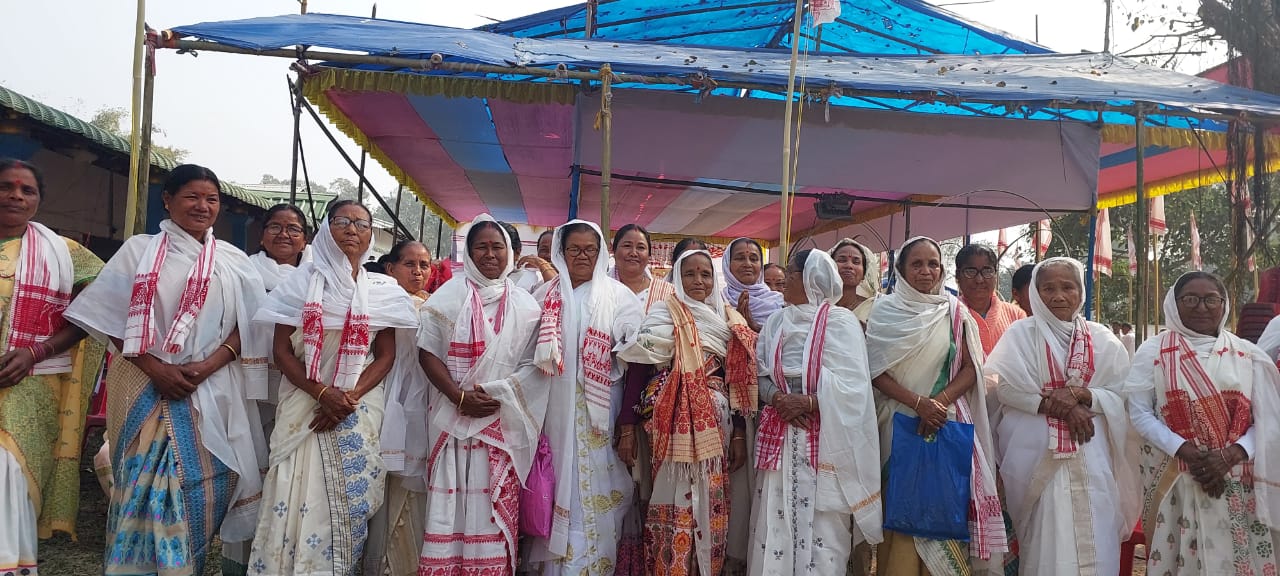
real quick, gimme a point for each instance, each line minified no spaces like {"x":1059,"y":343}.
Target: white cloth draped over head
{"x":272,"y":272}
{"x":477,"y":353}
{"x":1232,"y":364}
{"x":764,"y":302}
{"x":870,"y":267}
{"x":586,"y":318}
{"x":910,"y":334}
{"x":655,"y":343}
{"x":1019,"y":367}
{"x":43,"y":282}
{"x":848,"y":445}
{"x":229,"y":427}
{"x":323,"y":295}
{"x":906,"y":319}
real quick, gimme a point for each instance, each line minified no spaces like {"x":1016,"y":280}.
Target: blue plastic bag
{"x":927,"y":491}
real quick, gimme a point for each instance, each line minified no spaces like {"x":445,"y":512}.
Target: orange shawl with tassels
{"x":685,"y":427}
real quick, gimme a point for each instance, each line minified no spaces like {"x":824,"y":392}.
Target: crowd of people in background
{"x":574,"y":412}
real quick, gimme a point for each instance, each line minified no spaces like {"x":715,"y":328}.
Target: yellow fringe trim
{"x":1179,"y":138}
{"x":1198,"y":179}
{"x":315,"y":87}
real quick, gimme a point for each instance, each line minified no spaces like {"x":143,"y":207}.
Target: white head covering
{"x":1173,"y":319}
{"x":821,"y":278}
{"x":903,"y":320}
{"x":388,"y":306}
{"x":1057,"y":333}
{"x":655,"y":343}
{"x":469,"y":266}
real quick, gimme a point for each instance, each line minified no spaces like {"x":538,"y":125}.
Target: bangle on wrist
{"x":234,"y":355}
{"x":946,"y":400}
{"x":917,"y":408}
{"x":323,"y":389}
{"x":461,"y":399}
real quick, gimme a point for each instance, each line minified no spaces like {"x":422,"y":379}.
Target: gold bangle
{"x":739,"y":438}
{"x":234,"y":355}
{"x":917,"y":408}
{"x":323,"y":389}
{"x":1072,"y":390}
{"x":461,"y":399}
{"x":812,"y":408}
{"x":945,"y":399}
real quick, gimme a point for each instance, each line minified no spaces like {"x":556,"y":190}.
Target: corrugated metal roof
{"x":60,"y":120}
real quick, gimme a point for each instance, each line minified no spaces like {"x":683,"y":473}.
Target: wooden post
{"x":1140,"y":243}
{"x":135,"y":117}
{"x":784,"y":211}
{"x":142,"y":162}
{"x":606,"y":149}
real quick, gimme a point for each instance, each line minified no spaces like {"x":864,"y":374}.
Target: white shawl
{"x":327,"y":280}
{"x":848,"y":449}
{"x":272,"y":272}
{"x":229,"y":425}
{"x":1249,"y":370}
{"x":43,"y":282}
{"x":1019,"y":381}
{"x":447,"y":320}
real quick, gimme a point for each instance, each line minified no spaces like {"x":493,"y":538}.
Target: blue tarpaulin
{"x":864,"y":26}
{"x":1024,"y":85}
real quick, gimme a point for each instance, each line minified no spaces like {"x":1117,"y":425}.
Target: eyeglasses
{"x":342,"y":223}
{"x":1210,"y":302}
{"x":574,"y":252}
{"x":292,"y":230}
{"x":986,"y":272}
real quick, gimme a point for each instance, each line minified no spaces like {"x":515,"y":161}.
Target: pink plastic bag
{"x":537,"y":498}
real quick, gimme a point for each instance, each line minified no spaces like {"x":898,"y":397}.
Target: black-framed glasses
{"x":575,"y":251}
{"x":277,"y":228}
{"x":342,"y":223}
{"x":971,"y":272}
{"x":1210,"y":302}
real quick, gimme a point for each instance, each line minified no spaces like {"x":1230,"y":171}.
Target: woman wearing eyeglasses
{"x":977,"y":275}
{"x":335,"y":343}
{"x":585,"y":316}
{"x":284,"y":244}
{"x":1207,"y":404}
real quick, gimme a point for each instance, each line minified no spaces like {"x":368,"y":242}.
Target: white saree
{"x":593,"y":487}
{"x":322,"y":488}
{"x":1072,"y":508}
{"x":483,"y":330}
{"x":807,"y":515}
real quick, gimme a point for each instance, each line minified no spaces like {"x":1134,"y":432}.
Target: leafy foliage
{"x":115,"y":120}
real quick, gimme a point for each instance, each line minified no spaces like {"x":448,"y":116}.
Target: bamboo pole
{"x":142,"y":162}
{"x":606,"y":148}
{"x":683,"y":80}
{"x":1140,"y":244}
{"x":784,"y":211}
{"x":135,"y":120}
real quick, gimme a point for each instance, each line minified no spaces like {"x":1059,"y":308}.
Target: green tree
{"x":115,"y":120}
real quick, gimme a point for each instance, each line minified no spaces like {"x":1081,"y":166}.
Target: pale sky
{"x":233,"y":112}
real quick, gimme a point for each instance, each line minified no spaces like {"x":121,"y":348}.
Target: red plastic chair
{"x":1129,"y":548}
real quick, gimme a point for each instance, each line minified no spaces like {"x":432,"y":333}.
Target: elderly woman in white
{"x":1061,"y":429}
{"x":1206,"y":402}
{"x":817,"y":457}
